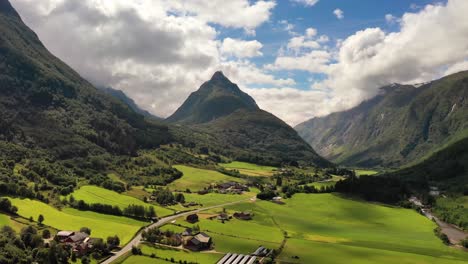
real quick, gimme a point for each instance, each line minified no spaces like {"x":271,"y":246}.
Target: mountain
{"x":400,"y":126}
{"x":215,"y":98}
{"x":46,"y":106}
{"x":128,"y":101}
{"x":229,"y":120}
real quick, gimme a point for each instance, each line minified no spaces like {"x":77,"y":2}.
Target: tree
{"x":46,"y":233}
{"x":40,"y":219}
{"x":113,"y":242}
{"x":85,"y":260}
{"x":85,"y":230}
{"x":279,"y":181}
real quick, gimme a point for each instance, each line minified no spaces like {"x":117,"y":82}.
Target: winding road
{"x":165,"y":220}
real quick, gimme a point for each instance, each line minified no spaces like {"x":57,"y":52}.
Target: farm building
{"x":261,"y":252}
{"x":187,"y":232}
{"x":232,"y":258}
{"x":222,"y":217}
{"x":243,"y":215}
{"x":200,"y":241}
{"x":232,"y":187}
{"x":192,"y":218}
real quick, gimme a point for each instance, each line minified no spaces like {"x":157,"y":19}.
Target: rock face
{"x":403,"y":124}
{"x":233,"y":121}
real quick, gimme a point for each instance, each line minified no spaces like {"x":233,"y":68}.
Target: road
{"x":165,"y":220}
{"x":454,"y":233}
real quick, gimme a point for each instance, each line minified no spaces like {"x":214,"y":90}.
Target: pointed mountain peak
{"x":216,"y":98}
{"x":219,"y":76}
{"x":7,"y":9}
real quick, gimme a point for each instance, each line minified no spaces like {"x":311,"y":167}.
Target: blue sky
{"x":159,"y":51}
{"x":358,"y":15}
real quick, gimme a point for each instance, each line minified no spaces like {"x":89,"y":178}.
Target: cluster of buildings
{"x":231,"y":188}
{"x":79,"y":242}
{"x":256,"y":257}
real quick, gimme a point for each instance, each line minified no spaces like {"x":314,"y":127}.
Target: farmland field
{"x":249,"y":168}
{"x":360,"y":172}
{"x":324,"y":184}
{"x":211,"y":199}
{"x":196,"y":179}
{"x":94,"y":194}
{"x":341,"y":229}
{"x":70,"y":219}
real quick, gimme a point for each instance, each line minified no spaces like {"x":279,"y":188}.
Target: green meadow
{"x":360,"y":172}
{"x":326,"y":228}
{"x":211,"y":199}
{"x":71,"y":219}
{"x":250,"y":168}
{"x":94,"y":194}
{"x":324,"y":184}
{"x":196,"y":179}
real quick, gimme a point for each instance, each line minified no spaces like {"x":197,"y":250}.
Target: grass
{"x":211,"y":199}
{"x":250,"y":168}
{"x":324,"y":184}
{"x":326,"y":228}
{"x":196,"y":179}
{"x":70,"y":219}
{"x":94,"y":194}
{"x":164,"y":253}
{"x":360,"y":172}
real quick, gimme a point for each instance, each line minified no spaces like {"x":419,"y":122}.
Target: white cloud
{"x":246,"y":73}
{"x":315,"y":61}
{"x":287,"y":26}
{"x":298,"y":43}
{"x":323,"y":39}
{"x":457,"y":67}
{"x":157,"y":51}
{"x":427,"y":43}
{"x":311,"y":32}
{"x":241,"y":48}
{"x":391,"y":19}
{"x":338,"y":13}
{"x":306,"y":2}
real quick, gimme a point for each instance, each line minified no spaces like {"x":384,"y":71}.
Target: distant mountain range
{"x":128,"y":101}
{"x":232,"y":118}
{"x":401,"y":126}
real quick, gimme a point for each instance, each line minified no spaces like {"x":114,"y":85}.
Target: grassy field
{"x":324,"y":184}
{"x":94,"y":194}
{"x":211,"y":199}
{"x":70,"y":219}
{"x":196,"y":179}
{"x":250,"y":169}
{"x":326,"y":228}
{"x":360,"y":172}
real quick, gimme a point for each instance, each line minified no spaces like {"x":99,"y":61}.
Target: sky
{"x":298,"y":59}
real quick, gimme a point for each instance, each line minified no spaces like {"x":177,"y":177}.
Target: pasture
{"x":71,"y":219}
{"x":211,"y":199}
{"x":250,"y":169}
{"x":330,"y":229}
{"x":360,"y":172}
{"x":94,"y":194}
{"x":196,"y":179}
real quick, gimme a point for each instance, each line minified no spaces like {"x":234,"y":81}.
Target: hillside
{"x":53,"y":123}
{"x":401,"y":125}
{"x":230,"y":122}
{"x":128,"y":101}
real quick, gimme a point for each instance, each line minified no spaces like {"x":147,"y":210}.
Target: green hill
{"x":229,"y":121}
{"x":403,"y":124}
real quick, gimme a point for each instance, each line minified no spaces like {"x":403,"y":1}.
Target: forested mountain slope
{"x":401,"y":125}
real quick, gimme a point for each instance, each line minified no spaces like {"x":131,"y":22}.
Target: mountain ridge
{"x":394,"y":128}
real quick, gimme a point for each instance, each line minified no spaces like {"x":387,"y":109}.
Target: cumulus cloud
{"x":156,"y":51}
{"x":241,"y":48}
{"x":338,"y":13}
{"x":306,"y":2}
{"x":391,"y":19}
{"x":429,"y":44}
{"x":311,"y":32}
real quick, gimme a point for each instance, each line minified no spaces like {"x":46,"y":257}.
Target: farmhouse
{"x":223,"y":217}
{"x":187,"y":232}
{"x":192,"y":218}
{"x":232,"y":187}
{"x":200,"y":241}
{"x":243,"y":215}
{"x":62,"y":235}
